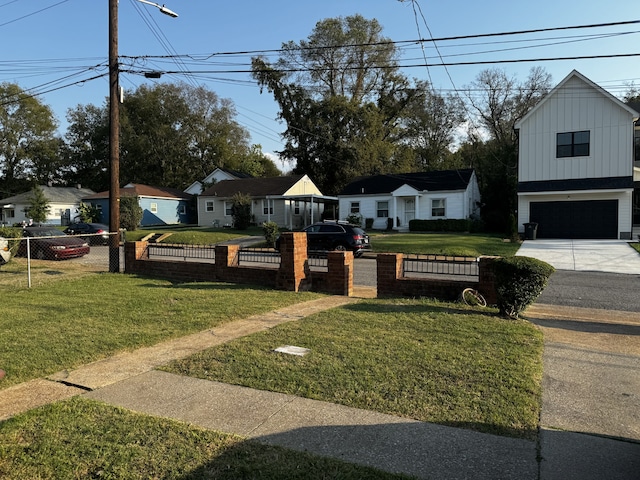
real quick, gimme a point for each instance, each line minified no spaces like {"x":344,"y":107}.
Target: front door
{"x":409,"y":210}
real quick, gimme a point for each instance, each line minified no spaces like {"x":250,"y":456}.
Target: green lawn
{"x":85,"y":439}
{"x":66,"y":323}
{"x":470,"y":245}
{"x":421,"y":359}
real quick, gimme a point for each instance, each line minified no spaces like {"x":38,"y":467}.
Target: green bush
{"x":241,"y":211}
{"x":9,"y":233}
{"x":270,"y":231}
{"x":354,"y":219}
{"x":519,"y":281}
{"x":440,"y":225}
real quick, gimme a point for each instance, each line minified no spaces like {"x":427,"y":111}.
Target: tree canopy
{"x":347,"y":105}
{"x":171,"y":135}
{"x":27,"y":138}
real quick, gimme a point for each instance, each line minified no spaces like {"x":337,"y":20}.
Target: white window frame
{"x":9,"y":213}
{"x":268,"y":206}
{"x":209,"y":206}
{"x":228,"y":208}
{"x":436,"y":208}
{"x":182,"y":209}
{"x":296,"y":207}
{"x":380,"y":209}
{"x":354,"y":207}
{"x":153,"y":207}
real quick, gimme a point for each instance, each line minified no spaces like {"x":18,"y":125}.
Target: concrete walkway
{"x":614,"y":256}
{"x":589,"y":418}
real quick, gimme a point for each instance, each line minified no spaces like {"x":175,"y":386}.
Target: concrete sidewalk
{"x":590,"y":427}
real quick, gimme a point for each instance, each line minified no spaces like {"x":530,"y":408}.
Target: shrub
{"x":130,"y":213}
{"x":241,"y":211}
{"x":519,"y":281}
{"x":354,"y":219}
{"x":10,"y":233}
{"x":270,"y":231}
{"x":389,"y":224}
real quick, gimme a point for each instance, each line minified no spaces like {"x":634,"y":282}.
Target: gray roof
{"x":64,"y":195}
{"x":254,"y":187}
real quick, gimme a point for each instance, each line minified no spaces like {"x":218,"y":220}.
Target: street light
{"x":114,"y":130}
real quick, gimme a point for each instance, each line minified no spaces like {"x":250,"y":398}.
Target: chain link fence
{"x":46,"y":254}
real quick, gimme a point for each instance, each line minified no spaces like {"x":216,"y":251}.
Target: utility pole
{"x":114,"y":140}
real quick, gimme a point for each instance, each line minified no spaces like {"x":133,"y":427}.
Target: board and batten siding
{"x":576,"y":107}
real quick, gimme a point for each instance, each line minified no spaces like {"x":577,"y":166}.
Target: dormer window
{"x":572,"y":144}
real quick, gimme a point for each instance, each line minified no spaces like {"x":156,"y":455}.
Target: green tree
{"x":87,"y":147}
{"x":38,"y":207}
{"x":431,"y":123}
{"x":130,"y":212}
{"x":241,"y":211}
{"x":88,"y":213}
{"x":26,"y":126}
{"x":341,"y":95}
{"x":500,"y":101}
{"x":171,"y":135}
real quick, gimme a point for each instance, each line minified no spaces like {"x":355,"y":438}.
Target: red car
{"x":48,"y":243}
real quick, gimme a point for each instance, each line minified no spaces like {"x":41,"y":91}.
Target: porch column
{"x":395,"y":212}
{"x":417,"y":207}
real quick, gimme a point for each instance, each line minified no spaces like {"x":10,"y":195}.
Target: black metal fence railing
{"x":258,"y":255}
{"x":429,"y":265}
{"x":184,"y":251}
{"x":318,"y":261}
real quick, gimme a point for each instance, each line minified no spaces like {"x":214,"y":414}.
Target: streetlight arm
{"x":162,"y":8}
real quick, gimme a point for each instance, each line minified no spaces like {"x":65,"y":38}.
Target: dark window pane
{"x":563,"y":151}
{"x":565,"y":138}
{"x":581,"y":137}
{"x":581,"y":150}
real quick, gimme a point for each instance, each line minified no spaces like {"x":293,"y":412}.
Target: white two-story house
{"x":576,"y":163}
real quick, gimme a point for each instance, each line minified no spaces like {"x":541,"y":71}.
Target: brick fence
{"x":294,"y":273}
{"x":392,"y":283}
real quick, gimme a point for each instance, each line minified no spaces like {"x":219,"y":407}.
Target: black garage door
{"x":584,"y":219}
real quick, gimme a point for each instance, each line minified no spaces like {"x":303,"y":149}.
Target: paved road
{"x":608,"y":291}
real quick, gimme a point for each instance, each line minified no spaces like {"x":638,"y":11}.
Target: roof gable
{"x":574,"y":75}
{"x":422,"y":181}
{"x":254,"y":187}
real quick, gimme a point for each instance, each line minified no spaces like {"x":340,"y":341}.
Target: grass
{"x":470,"y":245}
{"x":85,"y":439}
{"x":194,"y":235}
{"x":66,"y":323}
{"x":415,"y":358}
{"x":635,"y":245}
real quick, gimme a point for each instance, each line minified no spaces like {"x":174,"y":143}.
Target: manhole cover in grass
{"x":292,"y":350}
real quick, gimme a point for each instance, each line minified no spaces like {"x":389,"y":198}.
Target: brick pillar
{"x":293,"y":259}
{"x":340,"y":276}
{"x":389,"y":271}
{"x":226,"y":257}
{"x":487,"y":279}
{"x":133,"y":252}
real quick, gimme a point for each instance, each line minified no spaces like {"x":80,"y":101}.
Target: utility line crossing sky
{"x":58,"y":48}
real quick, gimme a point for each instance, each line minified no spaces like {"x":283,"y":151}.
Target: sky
{"x":55,"y":48}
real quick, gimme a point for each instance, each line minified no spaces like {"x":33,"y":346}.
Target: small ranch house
{"x":63,"y":205}
{"x":576,"y":163}
{"x":160,"y":205}
{"x":448,"y":194}
{"x":291,"y":201}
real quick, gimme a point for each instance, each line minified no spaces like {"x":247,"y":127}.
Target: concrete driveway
{"x":613,"y":256}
